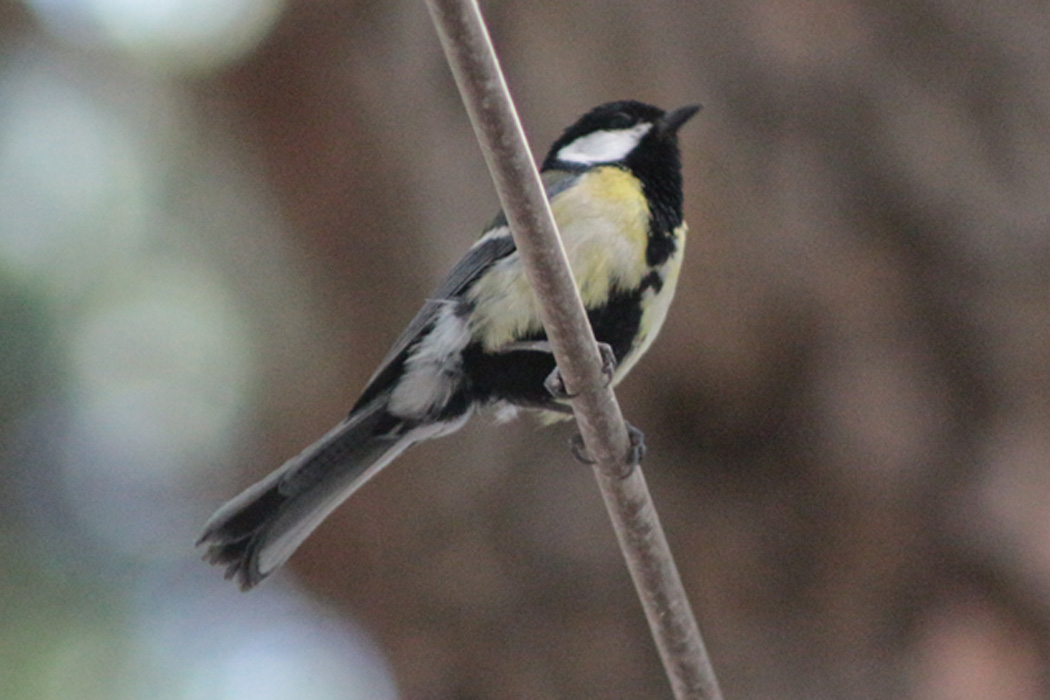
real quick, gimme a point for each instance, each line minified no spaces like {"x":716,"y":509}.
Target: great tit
{"x":614,"y":184}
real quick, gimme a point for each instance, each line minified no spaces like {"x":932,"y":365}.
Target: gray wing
{"x":494,"y":245}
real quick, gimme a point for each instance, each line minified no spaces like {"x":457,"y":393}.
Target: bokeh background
{"x":215,"y":215}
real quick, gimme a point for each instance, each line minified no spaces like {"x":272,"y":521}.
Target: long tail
{"x":258,"y":530}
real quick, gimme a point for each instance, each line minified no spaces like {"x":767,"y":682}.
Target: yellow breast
{"x":655,"y":306}
{"x":603,"y":220}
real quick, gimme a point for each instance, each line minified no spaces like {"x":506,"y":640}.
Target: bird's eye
{"x":621,"y":120}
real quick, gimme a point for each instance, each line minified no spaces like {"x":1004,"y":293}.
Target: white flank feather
{"x":432,"y":371}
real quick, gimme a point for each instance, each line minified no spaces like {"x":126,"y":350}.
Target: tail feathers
{"x":257,"y":531}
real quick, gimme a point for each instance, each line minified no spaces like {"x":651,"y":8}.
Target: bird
{"x":614,"y":183}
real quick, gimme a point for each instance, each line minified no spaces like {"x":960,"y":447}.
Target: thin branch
{"x":488,"y":102}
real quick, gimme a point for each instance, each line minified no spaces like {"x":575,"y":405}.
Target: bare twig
{"x":476,"y":69}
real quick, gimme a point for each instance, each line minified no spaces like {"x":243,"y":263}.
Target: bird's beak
{"x":671,"y":121}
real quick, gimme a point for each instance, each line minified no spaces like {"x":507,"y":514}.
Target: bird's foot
{"x":579,"y":450}
{"x":635,"y":449}
{"x":555,"y":385}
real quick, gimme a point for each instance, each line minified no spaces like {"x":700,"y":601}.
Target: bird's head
{"x":625,"y":133}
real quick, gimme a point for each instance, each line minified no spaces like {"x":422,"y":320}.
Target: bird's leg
{"x":635,"y":449}
{"x":555,"y":385}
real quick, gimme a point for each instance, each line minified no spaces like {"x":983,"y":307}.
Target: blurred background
{"x":216,"y":215}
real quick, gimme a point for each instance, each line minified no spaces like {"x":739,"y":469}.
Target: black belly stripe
{"x":512,"y":376}
{"x":662,"y":245}
{"x":518,"y":376}
{"x":653,"y":281}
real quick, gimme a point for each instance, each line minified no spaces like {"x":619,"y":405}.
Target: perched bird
{"x":615,"y":187}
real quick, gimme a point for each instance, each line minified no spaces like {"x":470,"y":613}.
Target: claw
{"x":579,"y":450}
{"x":635,"y":450}
{"x":555,"y":385}
{"x":608,"y":362}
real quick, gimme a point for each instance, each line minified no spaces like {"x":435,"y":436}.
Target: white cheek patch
{"x":604,"y":146}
